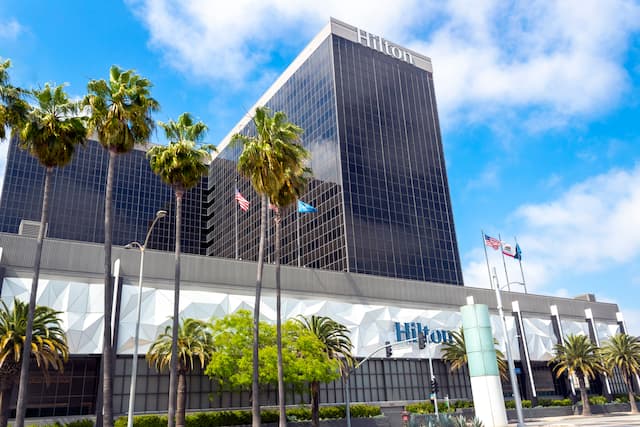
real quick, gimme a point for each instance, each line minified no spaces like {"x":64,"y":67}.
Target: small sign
{"x":518,"y":371}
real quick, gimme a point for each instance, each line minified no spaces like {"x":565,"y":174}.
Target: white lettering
{"x":378,"y":43}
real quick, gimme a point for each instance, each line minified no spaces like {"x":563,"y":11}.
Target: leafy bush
{"x":333,"y":412}
{"x":420,"y":408}
{"x":561,"y":402}
{"x":459,"y":404}
{"x":597,"y":400}
{"x":301,"y":413}
{"x":365,"y":411}
{"x":511,"y":404}
{"x":80,"y":423}
{"x":143,"y":421}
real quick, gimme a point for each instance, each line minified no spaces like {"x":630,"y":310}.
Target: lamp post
{"x":512,"y":368}
{"x":134,"y":368}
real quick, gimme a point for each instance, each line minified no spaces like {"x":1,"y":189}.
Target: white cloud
{"x":561,"y":58}
{"x":10,"y":29}
{"x":590,"y":228}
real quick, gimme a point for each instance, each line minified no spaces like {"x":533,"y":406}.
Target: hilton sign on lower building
{"x":407,"y":331}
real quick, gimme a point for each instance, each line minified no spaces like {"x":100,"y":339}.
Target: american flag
{"x":491,"y":242}
{"x":244,"y":203}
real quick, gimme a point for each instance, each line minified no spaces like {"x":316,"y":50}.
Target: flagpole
{"x":298,"y":235}
{"x":524,"y":284}
{"x":237,"y":207}
{"x":504,"y":263}
{"x":486,"y":257}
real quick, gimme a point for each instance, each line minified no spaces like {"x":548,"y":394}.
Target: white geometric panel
{"x":496,"y":326}
{"x":573,"y":327}
{"x":540,"y":338}
{"x":605,"y":331}
{"x":82,"y":324}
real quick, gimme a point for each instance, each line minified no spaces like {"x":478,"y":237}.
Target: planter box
{"x":605,"y":409}
{"x":355,"y":422}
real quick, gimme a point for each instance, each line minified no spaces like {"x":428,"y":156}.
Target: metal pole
{"x":347,"y":399}
{"x":435,"y":394}
{"x":504,"y":263}
{"x":298,"y":238}
{"x":134,"y":368}
{"x":521,"y":270}
{"x":486,"y":257}
{"x":512,"y":368}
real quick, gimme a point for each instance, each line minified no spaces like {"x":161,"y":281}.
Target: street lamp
{"x":512,"y":368}
{"x":134,"y":368}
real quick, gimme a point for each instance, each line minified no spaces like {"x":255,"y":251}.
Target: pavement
{"x":616,"y":419}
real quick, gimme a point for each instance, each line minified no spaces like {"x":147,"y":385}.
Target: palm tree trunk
{"x":255,"y":385}
{"x":628,"y":384}
{"x":182,"y":398}
{"x":315,"y":404}
{"x":21,"y":409}
{"x":171,"y":416}
{"x":6,"y":388}
{"x":107,"y":353}
{"x":281,"y":399}
{"x":586,"y":407}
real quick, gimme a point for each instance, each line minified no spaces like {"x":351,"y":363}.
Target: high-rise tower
{"x":368,"y":110}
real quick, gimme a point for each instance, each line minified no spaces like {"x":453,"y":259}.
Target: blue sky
{"x":539,"y":105}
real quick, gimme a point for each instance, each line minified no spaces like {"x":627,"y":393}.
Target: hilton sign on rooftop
{"x":384,"y":46}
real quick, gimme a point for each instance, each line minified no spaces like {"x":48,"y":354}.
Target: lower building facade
{"x":375,"y":309}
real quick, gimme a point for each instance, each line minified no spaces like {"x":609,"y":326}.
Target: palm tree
{"x":291,"y":190}
{"x":121,"y":116}
{"x":622,"y":351}
{"x":194,"y":345}
{"x":50,"y":132}
{"x":455,"y":353}
{"x":48,"y":348}
{"x":337,"y":345}
{"x":181,"y":165}
{"x":13,"y":108}
{"x":265,"y":159}
{"x":578,"y":356}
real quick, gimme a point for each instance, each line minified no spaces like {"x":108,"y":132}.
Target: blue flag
{"x":518,"y":254}
{"x":305,"y":207}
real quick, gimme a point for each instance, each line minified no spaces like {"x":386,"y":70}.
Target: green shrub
{"x":301,"y":413}
{"x":143,"y":421}
{"x":511,"y":404}
{"x":365,"y":411}
{"x":420,"y":408}
{"x":269,"y":416}
{"x":597,"y":400}
{"x":459,"y":404}
{"x":333,"y":412}
{"x":80,"y":423}
{"x":561,"y":402}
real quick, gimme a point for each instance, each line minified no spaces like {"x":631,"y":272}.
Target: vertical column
{"x":593,"y":334}
{"x":530,"y":386}
{"x":622,"y":326}
{"x":488,"y":399}
{"x":558,"y":332}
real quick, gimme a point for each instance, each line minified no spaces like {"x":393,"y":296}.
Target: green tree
{"x":13,"y":108}
{"x":336,"y":344}
{"x":294,"y":185}
{"x":454,"y":352}
{"x":194,"y":346}
{"x":622,"y":351}
{"x":232,"y":364}
{"x":578,"y":356}
{"x":48,"y":348}
{"x":181,"y":165}
{"x":120,"y":114}
{"x":50,"y":132}
{"x":265,"y":160}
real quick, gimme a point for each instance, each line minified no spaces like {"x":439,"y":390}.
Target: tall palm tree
{"x":337,"y":345}
{"x":455,"y":353}
{"x":194,"y":345}
{"x":13,"y":108}
{"x":181,"y":165}
{"x":50,"y":132}
{"x":622,"y":351}
{"x":265,"y":159}
{"x":578,"y":356}
{"x":293,"y":187}
{"x":121,"y":116}
{"x":48,"y":348}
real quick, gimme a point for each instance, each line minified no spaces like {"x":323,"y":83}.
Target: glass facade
{"x":380,"y":187}
{"x":77,"y":199}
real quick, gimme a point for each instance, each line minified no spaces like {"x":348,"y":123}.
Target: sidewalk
{"x":618,"y":419}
